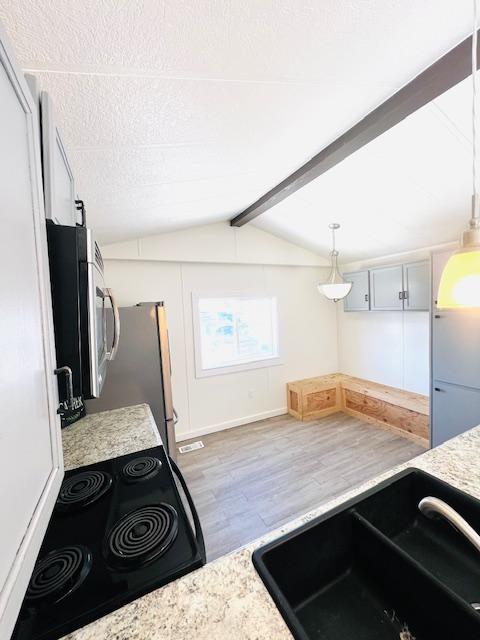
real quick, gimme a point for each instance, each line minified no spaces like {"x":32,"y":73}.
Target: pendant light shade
{"x":335,"y":291}
{"x":335,"y":288}
{"x":460,"y":282}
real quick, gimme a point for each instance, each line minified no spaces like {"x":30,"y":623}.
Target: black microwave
{"x":80,"y":305}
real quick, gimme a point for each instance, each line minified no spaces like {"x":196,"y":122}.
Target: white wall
{"x":218,"y":243}
{"x":390,"y":347}
{"x":307,"y":325}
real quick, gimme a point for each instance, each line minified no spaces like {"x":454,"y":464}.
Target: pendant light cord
{"x":475,"y":221}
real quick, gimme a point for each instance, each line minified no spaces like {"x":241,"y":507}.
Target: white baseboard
{"x":213,"y":428}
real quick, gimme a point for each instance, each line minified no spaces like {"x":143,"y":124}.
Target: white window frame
{"x":200,"y":372}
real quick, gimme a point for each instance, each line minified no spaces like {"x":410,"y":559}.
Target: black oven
{"x":80,"y":306}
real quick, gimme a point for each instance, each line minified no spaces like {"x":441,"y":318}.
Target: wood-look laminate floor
{"x":252,"y":479}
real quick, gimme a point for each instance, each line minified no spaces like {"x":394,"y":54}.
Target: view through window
{"x":235,"y":333}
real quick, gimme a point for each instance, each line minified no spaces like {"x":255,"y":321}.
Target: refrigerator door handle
{"x":175,"y":416}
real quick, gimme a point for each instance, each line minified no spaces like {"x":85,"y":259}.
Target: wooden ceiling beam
{"x":442,"y":75}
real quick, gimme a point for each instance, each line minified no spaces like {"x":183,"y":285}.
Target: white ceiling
{"x":179,"y":113}
{"x":410,"y":188}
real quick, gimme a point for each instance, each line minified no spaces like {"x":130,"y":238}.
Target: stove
{"x":119,"y":530}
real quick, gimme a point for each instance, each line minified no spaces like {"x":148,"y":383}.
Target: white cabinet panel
{"x":30,"y":467}
{"x":359,"y":297}
{"x":58,"y":179}
{"x":386,"y":288}
{"x":416,"y":352}
{"x":416,"y":283}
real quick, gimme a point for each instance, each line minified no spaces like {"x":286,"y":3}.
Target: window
{"x":234,"y":333}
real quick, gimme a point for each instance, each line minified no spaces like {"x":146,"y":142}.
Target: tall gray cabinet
{"x":455,"y":397}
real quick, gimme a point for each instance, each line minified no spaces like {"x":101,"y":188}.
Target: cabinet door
{"x":359,"y":297}
{"x":58,"y":179}
{"x":416,"y":284}
{"x":30,"y":448}
{"x":454,"y":410}
{"x":386,"y":288}
{"x":456,"y":347}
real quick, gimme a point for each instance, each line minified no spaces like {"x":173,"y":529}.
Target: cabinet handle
{"x":405,"y":295}
{"x":438,"y":389}
{"x":400,"y":295}
{"x":116,"y":326}
{"x":366,"y":297}
{"x":437,"y":316}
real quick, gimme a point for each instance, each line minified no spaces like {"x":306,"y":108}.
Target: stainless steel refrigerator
{"x":141,"y":371}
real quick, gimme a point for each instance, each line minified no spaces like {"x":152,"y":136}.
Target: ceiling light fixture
{"x":335,"y":288}
{"x":460,"y":282}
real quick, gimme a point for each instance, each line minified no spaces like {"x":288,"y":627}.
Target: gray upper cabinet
{"x":359,"y":297}
{"x":416,"y":285}
{"x":394,"y":288}
{"x":386,"y":288}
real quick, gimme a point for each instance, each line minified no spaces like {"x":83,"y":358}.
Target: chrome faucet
{"x":434,"y":507}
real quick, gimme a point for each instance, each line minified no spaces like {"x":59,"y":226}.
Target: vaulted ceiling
{"x":409,"y":188}
{"x":179,"y":113}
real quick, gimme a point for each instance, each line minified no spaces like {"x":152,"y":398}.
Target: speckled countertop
{"x":109,"y":434}
{"x":227,"y":600}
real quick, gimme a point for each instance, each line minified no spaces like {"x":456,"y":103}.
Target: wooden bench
{"x":314,"y":398}
{"x":405,"y":411}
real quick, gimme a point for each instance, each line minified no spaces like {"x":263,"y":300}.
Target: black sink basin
{"x":376,"y":567}
{"x":435,"y":544}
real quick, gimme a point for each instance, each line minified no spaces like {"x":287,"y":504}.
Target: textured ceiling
{"x":182,"y":113}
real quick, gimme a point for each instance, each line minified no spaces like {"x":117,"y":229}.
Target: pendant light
{"x":460,"y":282}
{"x":335,"y":288}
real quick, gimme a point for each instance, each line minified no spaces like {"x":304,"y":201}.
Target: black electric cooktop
{"x":119,"y":530}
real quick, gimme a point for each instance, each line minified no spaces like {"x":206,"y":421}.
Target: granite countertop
{"x":227,"y":599}
{"x":109,"y":434}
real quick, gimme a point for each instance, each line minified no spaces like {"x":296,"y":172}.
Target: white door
{"x":30,"y":449}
